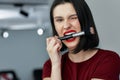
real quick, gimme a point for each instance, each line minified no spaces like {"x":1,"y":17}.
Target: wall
{"x":107,"y":18}
{"x":23,"y":51}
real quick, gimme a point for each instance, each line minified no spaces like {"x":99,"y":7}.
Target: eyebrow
{"x":57,"y":17}
{"x":68,"y":17}
{"x":73,"y":15}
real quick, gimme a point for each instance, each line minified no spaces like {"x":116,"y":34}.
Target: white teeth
{"x":69,"y":33}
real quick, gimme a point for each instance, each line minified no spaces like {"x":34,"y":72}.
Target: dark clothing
{"x":104,"y":65}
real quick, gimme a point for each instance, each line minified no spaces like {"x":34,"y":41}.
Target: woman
{"x":83,"y":61}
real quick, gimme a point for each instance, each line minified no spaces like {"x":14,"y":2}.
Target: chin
{"x":72,"y":46}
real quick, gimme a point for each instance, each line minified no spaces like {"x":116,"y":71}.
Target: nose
{"x":67,"y":25}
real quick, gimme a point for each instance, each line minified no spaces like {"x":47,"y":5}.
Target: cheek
{"x":77,"y":25}
{"x":58,"y":29}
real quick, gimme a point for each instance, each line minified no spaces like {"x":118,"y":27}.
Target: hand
{"x":53,"y":48}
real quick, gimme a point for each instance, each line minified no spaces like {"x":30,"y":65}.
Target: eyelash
{"x":59,"y":20}
{"x":73,"y":18}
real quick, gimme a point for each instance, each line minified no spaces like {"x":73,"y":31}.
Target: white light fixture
{"x":43,"y":29}
{"x":5,"y":34}
{"x":5,"y":14}
{"x":40,"y":31}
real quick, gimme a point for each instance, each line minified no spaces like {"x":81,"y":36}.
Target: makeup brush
{"x":72,"y":35}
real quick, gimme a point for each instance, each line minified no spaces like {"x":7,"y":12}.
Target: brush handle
{"x":65,"y":37}
{"x":72,"y":35}
{"x":78,"y":34}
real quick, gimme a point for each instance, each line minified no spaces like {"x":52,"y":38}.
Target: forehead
{"x":64,"y":10}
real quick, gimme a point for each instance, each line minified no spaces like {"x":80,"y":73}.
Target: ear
{"x":92,"y":31}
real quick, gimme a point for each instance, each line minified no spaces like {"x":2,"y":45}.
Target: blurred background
{"x":24,"y":27}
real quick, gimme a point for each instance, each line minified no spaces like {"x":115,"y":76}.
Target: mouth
{"x":69,"y":32}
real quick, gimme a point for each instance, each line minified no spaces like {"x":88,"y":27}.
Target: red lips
{"x":68,"y":32}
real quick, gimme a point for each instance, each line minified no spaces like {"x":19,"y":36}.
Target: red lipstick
{"x":70,"y":31}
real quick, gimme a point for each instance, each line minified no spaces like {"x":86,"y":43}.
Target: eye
{"x":59,"y":20}
{"x":73,"y":17}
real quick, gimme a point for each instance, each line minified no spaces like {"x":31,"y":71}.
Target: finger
{"x":57,"y":47}
{"x":60,"y":44}
{"x":51,"y":43}
{"x":48,"y":40}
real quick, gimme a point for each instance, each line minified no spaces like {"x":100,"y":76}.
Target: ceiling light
{"x":5,"y":14}
{"x":40,"y":31}
{"x":5,"y":34}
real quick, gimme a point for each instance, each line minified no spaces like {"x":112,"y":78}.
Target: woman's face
{"x":66,"y":22}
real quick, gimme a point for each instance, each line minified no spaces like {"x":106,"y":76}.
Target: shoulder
{"x":104,"y":52}
{"x":46,"y":69}
{"x":109,"y":57}
{"x":47,"y":63}
{"x":107,"y":61}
